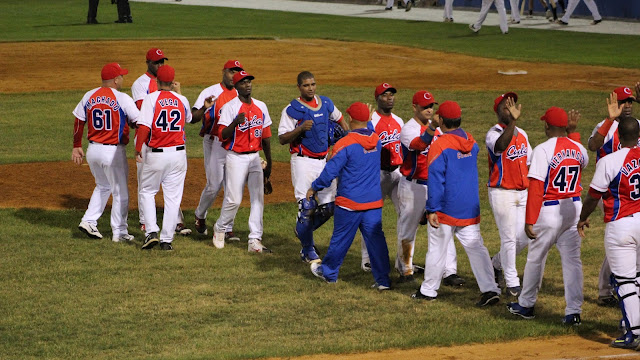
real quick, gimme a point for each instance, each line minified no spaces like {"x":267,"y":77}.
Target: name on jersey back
{"x":566,"y":154}
{"x":629,"y":167}
{"x":112,"y":103}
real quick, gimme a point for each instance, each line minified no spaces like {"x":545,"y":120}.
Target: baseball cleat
{"x":596,"y":22}
{"x":453,"y":280}
{"x":514,"y":291}
{"x":316,"y":270}
{"x":607,"y":301}
{"x":380,"y":287}
{"x":417,"y":269}
{"x":420,"y":296}
{"x":218,"y":239}
{"x":166,"y":246}
{"x":201,"y":226}
{"x":513,"y":22}
{"x":473,"y":28}
{"x":389,"y":8}
{"x":143,"y":228}
{"x":409,"y":6}
{"x":255,"y":246}
{"x":400,"y":4}
{"x":488,"y":298}
{"x":230,"y":236}
{"x":572,"y":320}
{"x":366,"y":266}
{"x":524,"y":312}
{"x":560,"y":22}
{"x":309,"y":255}
{"x":627,"y":341}
{"x":123,"y":238}
{"x":405,"y":279}
{"x":182,"y":230}
{"x":90,"y":229}
{"x":150,"y":241}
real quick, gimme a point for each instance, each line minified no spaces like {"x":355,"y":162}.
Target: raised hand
{"x":208,"y":102}
{"x":513,"y":109}
{"x":612,"y":106}
{"x":572,"y":122}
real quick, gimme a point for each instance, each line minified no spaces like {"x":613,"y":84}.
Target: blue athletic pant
{"x":345,"y":225}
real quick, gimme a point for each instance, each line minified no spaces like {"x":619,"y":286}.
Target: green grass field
{"x":66,"y":297}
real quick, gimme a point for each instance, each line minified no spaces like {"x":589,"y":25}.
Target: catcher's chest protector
{"x":316,"y":139}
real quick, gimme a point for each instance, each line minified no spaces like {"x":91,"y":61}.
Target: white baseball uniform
{"x":448,"y":9}
{"x":484,"y":10}
{"x":557,"y":163}
{"x":572,"y":4}
{"x":515,"y":9}
{"x":507,"y":187}
{"x":106,"y":111}
{"x":243,"y":163}
{"x":165,"y":163}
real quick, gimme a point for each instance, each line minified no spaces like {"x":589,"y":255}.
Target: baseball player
{"x":244,"y":128}
{"x":356,"y":163}
{"x":448,"y":11}
{"x":161,"y":126}
{"x":404,"y":4}
{"x":618,"y":176}
{"x":304,"y":125}
{"x":387,"y":126}
{"x":416,"y":136}
{"x":106,"y":112}
{"x":605,"y":140}
{"x":509,"y":152}
{"x":484,"y":10}
{"x":146,"y":84}
{"x":453,"y":207}
{"x":207,"y":109}
{"x":553,"y":206}
{"x":571,"y":6}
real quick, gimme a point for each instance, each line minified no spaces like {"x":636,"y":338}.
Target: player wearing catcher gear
{"x":553,"y":206}
{"x":453,"y":207}
{"x":144,"y":85}
{"x":106,"y":111}
{"x":416,"y":136}
{"x":305,"y":126}
{"x":161,"y":126}
{"x":605,"y":140}
{"x":356,"y":164}
{"x":618,"y":176}
{"x":244,"y":128}
{"x":508,"y":154}
{"x":207,"y":109}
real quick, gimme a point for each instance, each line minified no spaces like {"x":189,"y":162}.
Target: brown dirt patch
{"x":78,"y":66}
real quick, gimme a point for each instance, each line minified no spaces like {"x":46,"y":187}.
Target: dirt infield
{"x":350,"y":64}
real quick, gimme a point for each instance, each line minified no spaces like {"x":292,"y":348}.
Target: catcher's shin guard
{"x":625,"y":289}
{"x":304,"y":225}
{"x":324,"y":213}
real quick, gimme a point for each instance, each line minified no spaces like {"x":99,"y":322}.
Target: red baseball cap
{"x":624,"y":93}
{"x":233,"y":64}
{"x":384,"y":87}
{"x":556,"y":116}
{"x":449,"y":110}
{"x":423,"y":98}
{"x":155,"y":54}
{"x":499,"y":99}
{"x":166,"y":74}
{"x":359,"y":112}
{"x":241,"y":75}
{"x":112,"y":71}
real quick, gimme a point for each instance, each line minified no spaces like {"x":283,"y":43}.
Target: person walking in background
{"x":484,"y":10}
{"x":571,"y":6}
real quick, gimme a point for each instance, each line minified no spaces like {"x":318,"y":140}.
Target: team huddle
{"x":345,"y":166}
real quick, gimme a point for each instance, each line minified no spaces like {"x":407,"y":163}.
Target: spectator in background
{"x":571,"y":6}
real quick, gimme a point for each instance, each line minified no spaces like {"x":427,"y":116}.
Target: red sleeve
{"x":534,"y":201}
{"x":78,"y":130}
{"x":604,"y":129}
{"x":266,"y":132}
{"x":417,"y":144}
{"x":595,"y":193}
{"x":575,"y":136}
{"x":141,"y":136}
{"x":139,"y":104}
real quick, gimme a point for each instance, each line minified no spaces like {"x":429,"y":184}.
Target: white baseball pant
{"x":509,"y":210}
{"x":473,"y":244}
{"x":448,"y":9}
{"x":556,"y":225}
{"x":169,"y":169}
{"x":571,"y":7}
{"x":515,"y":9}
{"x":484,"y":10}
{"x":622,"y":245}
{"x":240,"y":169}
{"x":108,"y":164}
{"x":304,"y":170}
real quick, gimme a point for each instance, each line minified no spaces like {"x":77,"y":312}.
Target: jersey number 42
{"x":165,"y":124}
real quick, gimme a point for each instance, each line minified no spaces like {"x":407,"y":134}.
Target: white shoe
{"x":255,"y":246}
{"x":123,"y":238}
{"x":90,"y":230}
{"x":317,"y":271}
{"x":366,"y":266}
{"x":182,"y":230}
{"x":218,"y":239}
{"x":473,"y":28}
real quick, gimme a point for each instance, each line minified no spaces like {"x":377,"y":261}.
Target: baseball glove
{"x":268,"y":189}
{"x":336,"y":132}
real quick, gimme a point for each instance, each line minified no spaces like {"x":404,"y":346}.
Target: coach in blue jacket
{"x":356,"y":164}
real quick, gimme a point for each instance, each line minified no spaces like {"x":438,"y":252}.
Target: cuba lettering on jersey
{"x":211,"y":117}
{"x":619,"y":174}
{"x":558,"y":162}
{"x":165,"y":113}
{"x":611,"y":141}
{"x":247,"y":137}
{"x":106,"y":111}
{"x":508,"y":169}
{"x":144,"y":85}
{"x":414,"y":164}
{"x":388,"y":128}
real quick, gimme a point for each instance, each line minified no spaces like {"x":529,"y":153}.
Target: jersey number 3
{"x":634,"y":181}
{"x":163,"y":122}
{"x":566,"y":179}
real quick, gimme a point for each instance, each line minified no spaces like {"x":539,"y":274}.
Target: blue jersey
{"x":313,"y":142}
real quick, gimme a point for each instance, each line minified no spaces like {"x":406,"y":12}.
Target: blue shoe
{"x":514,"y":291}
{"x":572,"y":319}
{"x":524,"y":312}
{"x":309,"y":256}
{"x":626,"y":341}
